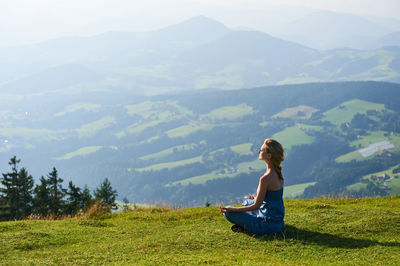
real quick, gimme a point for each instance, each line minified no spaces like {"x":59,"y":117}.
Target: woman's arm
{"x":261,"y":191}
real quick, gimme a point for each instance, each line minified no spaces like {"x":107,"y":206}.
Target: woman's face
{"x":262,"y":153}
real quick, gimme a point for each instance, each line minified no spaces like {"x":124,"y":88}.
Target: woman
{"x":262,"y":214}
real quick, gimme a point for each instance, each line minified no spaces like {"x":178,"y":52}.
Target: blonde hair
{"x":277,"y":155}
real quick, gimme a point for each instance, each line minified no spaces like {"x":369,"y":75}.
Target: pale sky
{"x":26,"y":21}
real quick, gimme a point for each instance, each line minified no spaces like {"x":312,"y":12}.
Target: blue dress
{"x":266,"y":220}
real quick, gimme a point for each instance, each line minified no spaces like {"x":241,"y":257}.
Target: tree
{"x":16,"y":192}
{"x":106,"y":195}
{"x":41,"y":202}
{"x":87,"y":198}
{"x":74,"y":200}
{"x":56,"y":193}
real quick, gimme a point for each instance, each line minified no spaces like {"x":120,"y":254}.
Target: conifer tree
{"x":41,"y":199}
{"x":24,"y":194}
{"x":8,"y":191}
{"x":106,"y":195}
{"x":74,"y":200}
{"x":87,"y":198}
{"x":56,"y":193}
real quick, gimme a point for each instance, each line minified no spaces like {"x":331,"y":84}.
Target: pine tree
{"x":87,"y":198}
{"x":41,"y":200}
{"x":24,"y":192}
{"x":106,"y":195}
{"x":74,"y":200}
{"x":56,"y":193}
{"x":8,"y":191}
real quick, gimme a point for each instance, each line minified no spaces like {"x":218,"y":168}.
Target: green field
{"x":365,"y":141}
{"x":292,"y":136}
{"x":318,"y":232}
{"x":230,"y":112}
{"x":158,"y":110}
{"x":186,"y":130}
{"x":345,"y":112}
{"x":88,"y":107}
{"x":169,"y":165}
{"x":169,"y":151}
{"x":241,"y":168}
{"x":243,"y":149}
{"x":295,"y":190}
{"x":393,"y":185}
{"x":298,"y":112}
{"x":92,"y":128}
{"x":80,"y":152}
{"x":32,"y":134}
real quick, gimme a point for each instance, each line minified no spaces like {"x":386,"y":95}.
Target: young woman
{"x":262,"y":214}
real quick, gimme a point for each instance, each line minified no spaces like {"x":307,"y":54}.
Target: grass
{"x":88,"y":107}
{"x":32,"y":134}
{"x":292,"y":136}
{"x":345,"y":112}
{"x":393,"y":185}
{"x":241,"y":168}
{"x":242,"y":149}
{"x":186,"y":130}
{"x":80,"y":152}
{"x":298,"y":112}
{"x":318,"y":232}
{"x":295,"y":190}
{"x":230,"y":112}
{"x":92,"y":128}
{"x":365,"y":141}
{"x":169,"y":165}
{"x":169,"y":151}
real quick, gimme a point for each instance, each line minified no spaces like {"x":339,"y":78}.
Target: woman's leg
{"x":247,"y":220}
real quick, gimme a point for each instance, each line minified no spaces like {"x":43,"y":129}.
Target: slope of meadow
{"x":319,"y":231}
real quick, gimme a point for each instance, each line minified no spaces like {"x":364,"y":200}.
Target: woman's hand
{"x":251,"y":197}
{"x":225,"y":209}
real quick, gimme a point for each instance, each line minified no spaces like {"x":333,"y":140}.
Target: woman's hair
{"x":277,"y":155}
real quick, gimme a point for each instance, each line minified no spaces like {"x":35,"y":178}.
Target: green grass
{"x":292,"y":136}
{"x":242,"y":149}
{"x":241,"y":168}
{"x":158,"y":110}
{"x":295,"y":190}
{"x":92,"y":128}
{"x":345,"y":112}
{"x":88,"y":107}
{"x":298,"y":112}
{"x":80,"y":152}
{"x":32,"y":134}
{"x":169,"y":165}
{"x":169,"y":151}
{"x":365,"y":141}
{"x":230,"y":112}
{"x":393,"y":185}
{"x":318,"y":232}
{"x":186,"y":130}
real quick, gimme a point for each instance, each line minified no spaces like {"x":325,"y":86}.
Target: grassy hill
{"x":319,"y":231}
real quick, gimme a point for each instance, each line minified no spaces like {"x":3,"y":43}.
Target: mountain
{"x":326,"y":30}
{"x":391,"y":39}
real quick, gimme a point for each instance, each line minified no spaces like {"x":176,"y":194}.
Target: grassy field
{"x":169,"y":151}
{"x":318,"y":232}
{"x":242,"y":149}
{"x":292,"y":136}
{"x":230,"y":112}
{"x":169,"y":165}
{"x":345,"y":112}
{"x":186,"y":130}
{"x":88,"y":107}
{"x":92,"y":128}
{"x":393,"y":184}
{"x":295,"y":190}
{"x":80,"y":152}
{"x":298,"y":112}
{"x":365,"y":141}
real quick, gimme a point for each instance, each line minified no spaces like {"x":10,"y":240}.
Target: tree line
{"x":20,"y":198}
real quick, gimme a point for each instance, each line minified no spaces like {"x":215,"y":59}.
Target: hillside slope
{"x":319,"y":231}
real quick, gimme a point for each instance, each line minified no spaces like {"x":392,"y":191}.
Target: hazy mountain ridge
{"x":197,"y":54}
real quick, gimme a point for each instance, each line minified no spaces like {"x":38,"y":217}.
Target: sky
{"x":29,"y":21}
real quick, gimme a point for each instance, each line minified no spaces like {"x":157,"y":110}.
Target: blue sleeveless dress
{"x":266,"y":220}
